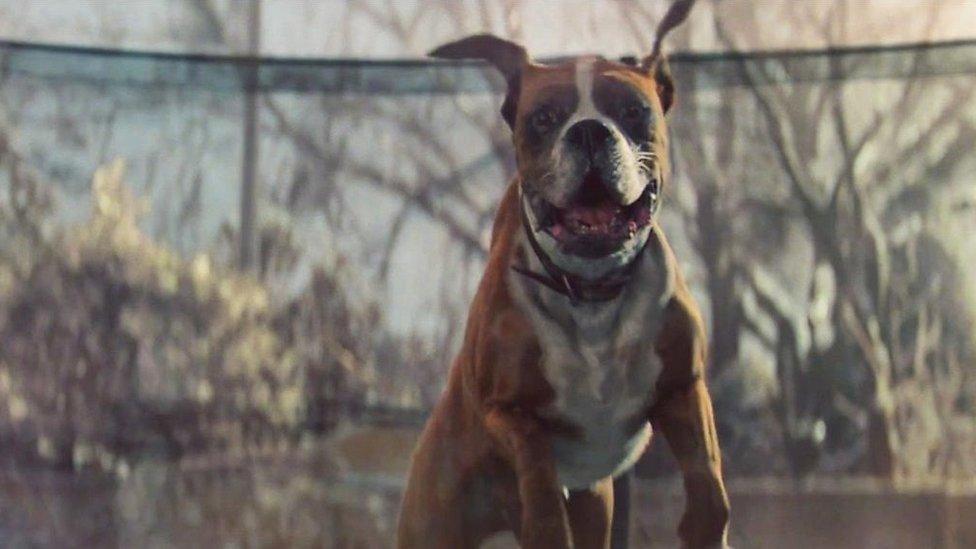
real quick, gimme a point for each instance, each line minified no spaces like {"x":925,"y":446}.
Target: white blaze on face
{"x":586,"y":108}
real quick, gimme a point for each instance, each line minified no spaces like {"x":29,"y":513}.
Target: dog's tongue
{"x":594,"y":216}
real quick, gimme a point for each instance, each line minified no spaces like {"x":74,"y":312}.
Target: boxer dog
{"x":582,"y":334}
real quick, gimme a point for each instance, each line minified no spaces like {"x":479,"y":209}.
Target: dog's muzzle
{"x":594,"y":225}
{"x":590,"y":248}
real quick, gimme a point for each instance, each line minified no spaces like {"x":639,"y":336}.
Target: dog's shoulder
{"x":501,"y":351}
{"x":507,"y":219}
{"x":681,"y":342}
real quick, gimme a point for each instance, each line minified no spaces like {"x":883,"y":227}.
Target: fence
{"x":817,"y":206}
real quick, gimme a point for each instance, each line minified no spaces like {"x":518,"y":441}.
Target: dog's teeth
{"x":631,"y":228}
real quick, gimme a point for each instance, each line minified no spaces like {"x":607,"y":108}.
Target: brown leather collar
{"x":574,"y":287}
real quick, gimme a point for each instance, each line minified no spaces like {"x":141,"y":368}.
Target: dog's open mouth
{"x":598,"y":225}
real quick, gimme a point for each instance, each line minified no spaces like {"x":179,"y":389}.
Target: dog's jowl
{"x":582,"y":337}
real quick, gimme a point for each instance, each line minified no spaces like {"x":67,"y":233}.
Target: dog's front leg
{"x":544,"y":522}
{"x":685,"y":419}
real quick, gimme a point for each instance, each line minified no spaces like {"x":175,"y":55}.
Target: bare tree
{"x":865,"y":220}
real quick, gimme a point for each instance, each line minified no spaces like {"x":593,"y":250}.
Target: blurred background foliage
{"x":113,"y":346}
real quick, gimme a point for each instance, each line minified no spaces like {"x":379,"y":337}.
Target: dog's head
{"x":591,"y":147}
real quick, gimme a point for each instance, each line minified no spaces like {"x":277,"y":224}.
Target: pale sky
{"x":316,"y":28}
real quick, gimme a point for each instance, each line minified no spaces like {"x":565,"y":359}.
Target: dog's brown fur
{"x":484,"y":461}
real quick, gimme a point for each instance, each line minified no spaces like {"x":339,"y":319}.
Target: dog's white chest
{"x":604,"y":390}
{"x":600,"y":360}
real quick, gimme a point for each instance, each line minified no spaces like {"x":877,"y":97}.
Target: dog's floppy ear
{"x":657,"y":63}
{"x":508,"y":57}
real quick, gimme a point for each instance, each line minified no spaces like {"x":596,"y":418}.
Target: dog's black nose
{"x":589,"y":135}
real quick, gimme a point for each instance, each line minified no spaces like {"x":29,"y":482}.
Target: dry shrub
{"x":111,"y":346}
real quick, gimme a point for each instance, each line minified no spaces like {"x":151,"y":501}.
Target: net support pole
{"x":249,"y":159}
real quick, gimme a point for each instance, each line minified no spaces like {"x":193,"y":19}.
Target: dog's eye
{"x":633,"y":111}
{"x":544,"y":119}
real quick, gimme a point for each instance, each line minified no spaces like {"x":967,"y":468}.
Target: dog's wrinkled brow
{"x":611,"y":92}
{"x":562,"y":95}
